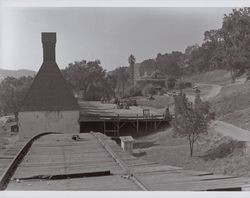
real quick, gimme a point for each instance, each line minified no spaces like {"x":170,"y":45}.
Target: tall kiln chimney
{"x":49,"y":43}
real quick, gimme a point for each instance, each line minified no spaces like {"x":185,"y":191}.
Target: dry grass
{"x":213,"y":153}
{"x":238,"y":118}
{"x":233,"y":105}
{"x":219,"y":77}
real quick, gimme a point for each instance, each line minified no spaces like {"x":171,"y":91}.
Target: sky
{"x":107,"y":34}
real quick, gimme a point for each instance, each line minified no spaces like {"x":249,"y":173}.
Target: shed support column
{"x":118,"y":126}
{"x":104,"y":127}
{"x":137,"y":124}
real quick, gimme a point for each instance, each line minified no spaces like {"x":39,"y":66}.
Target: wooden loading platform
{"x":111,"y":120}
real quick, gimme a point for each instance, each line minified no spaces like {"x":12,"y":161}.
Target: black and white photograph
{"x":124,"y":98}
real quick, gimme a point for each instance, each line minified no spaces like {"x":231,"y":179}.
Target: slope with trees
{"x":12,"y":92}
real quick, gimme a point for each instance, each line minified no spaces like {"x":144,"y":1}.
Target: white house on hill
{"x":49,"y":105}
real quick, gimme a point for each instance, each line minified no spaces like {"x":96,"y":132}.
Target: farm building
{"x":49,"y":105}
{"x":144,"y":76}
{"x":156,"y":78}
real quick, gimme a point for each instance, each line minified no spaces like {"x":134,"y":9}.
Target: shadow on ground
{"x":223,"y":150}
{"x":140,"y":145}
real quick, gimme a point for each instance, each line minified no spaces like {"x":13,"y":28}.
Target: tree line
{"x":87,"y":79}
{"x":225,"y":48}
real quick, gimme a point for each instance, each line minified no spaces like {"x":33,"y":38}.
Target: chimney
{"x":49,"y":43}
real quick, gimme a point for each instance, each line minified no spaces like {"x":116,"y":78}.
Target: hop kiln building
{"x":49,"y":105}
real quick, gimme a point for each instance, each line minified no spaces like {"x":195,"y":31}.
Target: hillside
{"x":219,"y":77}
{"x":232,"y":104}
{"x":16,"y":73}
{"x":213,"y":152}
{"x":225,"y":149}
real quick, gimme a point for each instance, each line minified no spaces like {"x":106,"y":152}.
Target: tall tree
{"x":121,"y":76}
{"x":236,"y":35}
{"x":87,"y":78}
{"x":170,"y":64}
{"x":131,"y":61}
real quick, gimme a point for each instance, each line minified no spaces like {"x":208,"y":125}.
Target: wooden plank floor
{"x":58,"y":154}
{"x":97,"y":108}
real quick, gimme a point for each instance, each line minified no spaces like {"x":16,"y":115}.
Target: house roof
{"x":49,"y":90}
{"x":157,"y":75}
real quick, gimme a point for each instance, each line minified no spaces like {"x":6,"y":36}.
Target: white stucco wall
{"x":35,"y":122}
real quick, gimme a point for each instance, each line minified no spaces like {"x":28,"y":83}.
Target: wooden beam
{"x":137,"y":124}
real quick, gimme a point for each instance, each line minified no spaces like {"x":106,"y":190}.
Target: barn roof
{"x":49,"y":90}
{"x":96,"y":162}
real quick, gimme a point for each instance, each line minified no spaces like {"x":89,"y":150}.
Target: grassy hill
{"x":214,"y":152}
{"x":219,"y":77}
{"x":233,"y":103}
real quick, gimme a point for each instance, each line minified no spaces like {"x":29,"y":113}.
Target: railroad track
{"x":10,"y":170}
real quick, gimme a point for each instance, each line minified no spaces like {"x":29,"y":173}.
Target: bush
{"x":170,"y":83}
{"x":148,"y":90}
{"x":183,"y":85}
{"x":135,"y":90}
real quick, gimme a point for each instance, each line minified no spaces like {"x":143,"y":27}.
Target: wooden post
{"x":118,"y":126}
{"x":104,"y":126}
{"x":137,"y":124}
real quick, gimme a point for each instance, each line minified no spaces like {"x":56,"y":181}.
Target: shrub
{"x":148,"y":90}
{"x":135,"y":90}
{"x":170,"y":83}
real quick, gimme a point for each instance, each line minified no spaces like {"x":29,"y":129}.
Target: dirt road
{"x":214,"y":91}
{"x":231,"y":130}
{"x":221,"y":127}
